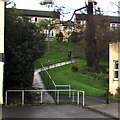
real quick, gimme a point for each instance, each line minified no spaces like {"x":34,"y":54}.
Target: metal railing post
{"x":69,"y":91}
{"x":55,"y":91}
{"x":6,"y":98}
{"x":83,"y":98}
{"x":78,"y":102}
{"x":41,"y":98}
{"x":73,"y":97}
{"x":58,"y":97}
{"x":22,"y":97}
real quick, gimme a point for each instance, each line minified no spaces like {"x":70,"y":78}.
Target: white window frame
{"x":51,"y":35}
{"x":116,"y":69}
{"x":35,"y":18}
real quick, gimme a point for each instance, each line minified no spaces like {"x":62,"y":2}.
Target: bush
{"x":59,"y":37}
{"x":118,"y":92}
{"x":74,"y":69}
{"x":75,"y":37}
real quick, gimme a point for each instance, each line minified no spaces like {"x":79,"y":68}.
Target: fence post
{"x":57,"y":97}
{"x":73,"y":96}
{"x":55,"y":91}
{"x":41,"y":97}
{"x":6,"y":98}
{"x":83,"y":98}
{"x":22,"y":97}
{"x":69,"y":91}
{"x":78,"y":102}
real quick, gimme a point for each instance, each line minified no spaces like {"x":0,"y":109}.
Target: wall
{"x":1,"y":48}
{"x":119,"y":63}
{"x":114,"y":49}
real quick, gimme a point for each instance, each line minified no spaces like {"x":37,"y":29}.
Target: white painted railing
{"x":56,"y":86}
{"x":41,"y":98}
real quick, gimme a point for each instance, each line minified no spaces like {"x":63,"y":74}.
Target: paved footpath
{"x":111,"y":110}
{"x":56,"y":65}
{"x":38,"y":84}
{"x":96,"y":104}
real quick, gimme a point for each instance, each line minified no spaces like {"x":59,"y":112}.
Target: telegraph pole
{"x":90,"y":7}
{"x":90,"y":37}
{"x":2,"y":7}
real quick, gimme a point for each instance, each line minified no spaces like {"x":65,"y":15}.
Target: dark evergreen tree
{"x":23,"y":45}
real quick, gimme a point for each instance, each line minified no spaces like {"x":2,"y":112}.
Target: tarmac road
{"x":50,"y":111}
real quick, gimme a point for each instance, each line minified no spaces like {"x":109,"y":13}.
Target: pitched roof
{"x":112,"y":19}
{"x":38,"y":13}
{"x":69,"y":23}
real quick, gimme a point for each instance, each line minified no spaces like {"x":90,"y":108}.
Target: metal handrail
{"x":58,"y":95}
{"x":68,"y":86}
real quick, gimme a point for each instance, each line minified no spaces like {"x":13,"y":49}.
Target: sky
{"x":107,"y":6}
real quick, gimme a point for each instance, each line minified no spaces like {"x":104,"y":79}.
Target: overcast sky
{"x":71,"y":5}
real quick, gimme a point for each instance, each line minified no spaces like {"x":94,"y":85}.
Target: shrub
{"x":59,"y":37}
{"x":75,"y":37}
{"x":74,"y":69}
{"x":118,"y":92}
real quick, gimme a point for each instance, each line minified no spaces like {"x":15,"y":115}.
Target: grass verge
{"x":91,"y":82}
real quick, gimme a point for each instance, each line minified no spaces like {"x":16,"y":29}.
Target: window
{"x":46,"y":32}
{"x":36,"y":19}
{"x":116,"y":70}
{"x":51,"y":33}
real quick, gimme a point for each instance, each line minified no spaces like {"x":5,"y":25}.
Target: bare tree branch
{"x":114,"y":3}
{"x":75,"y":12}
{"x":72,"y":15}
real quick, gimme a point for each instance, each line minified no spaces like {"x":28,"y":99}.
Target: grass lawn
{"x":92,"y":83}
{"x":58,"y":52}
{"x":84,"y":79}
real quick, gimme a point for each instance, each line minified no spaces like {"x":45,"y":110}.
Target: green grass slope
{"x":58,"y":52}
{"x":92,"y":83}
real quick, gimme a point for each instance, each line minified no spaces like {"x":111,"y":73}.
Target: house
{"x":111,"y":21}
{"x":67,"y":27}
{"x":36,"y":16}
{"x":1,"y":49}
{"x":114,"y":67}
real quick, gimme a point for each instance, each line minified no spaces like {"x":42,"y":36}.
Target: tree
{"x":102,"y":35}
{"x":23,"y":45}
